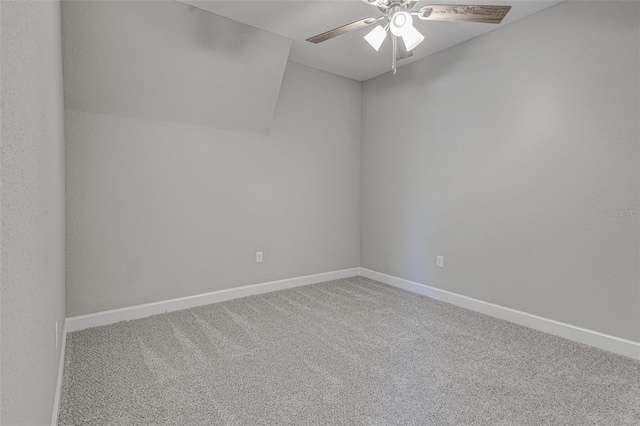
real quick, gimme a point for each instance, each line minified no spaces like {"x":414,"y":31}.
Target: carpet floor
{"x":345,"y":352}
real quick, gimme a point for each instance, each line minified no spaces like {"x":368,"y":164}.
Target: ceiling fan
{"x":398,"y":19}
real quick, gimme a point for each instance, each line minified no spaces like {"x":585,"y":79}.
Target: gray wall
{"x":159,"y":210}
{"x":191,"y":153}
{"x":504,"y":155}
{"x":32,"y":201}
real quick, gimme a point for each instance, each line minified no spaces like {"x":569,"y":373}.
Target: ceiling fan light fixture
{"x":412,"y":39}
{"x":398,"y":19}
{"x":376,"y":36}
{"x":401,"y":23}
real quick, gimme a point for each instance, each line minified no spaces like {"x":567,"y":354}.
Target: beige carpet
{"x":346,"y":352}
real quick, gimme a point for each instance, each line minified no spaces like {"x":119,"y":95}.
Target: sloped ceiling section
{"x":171,"y":62}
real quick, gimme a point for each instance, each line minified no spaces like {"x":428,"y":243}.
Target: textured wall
{"x":163,"y":60}
{"x":32,"y":203}
{"x":508,"y":155}
{"x":159,"y":210}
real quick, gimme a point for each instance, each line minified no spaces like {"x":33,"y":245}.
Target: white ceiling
{"x":350,"y":55}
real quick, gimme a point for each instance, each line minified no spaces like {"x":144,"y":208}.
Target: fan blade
{"x":401,"y":50}
{"x":343,"y":29}
{"x":376,"y":3}
{"x":473,"y":13}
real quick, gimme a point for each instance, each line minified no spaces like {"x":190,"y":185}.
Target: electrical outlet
{"x":56,"y":334}
{"x":440,"y":261}
{"x":258,"y":256}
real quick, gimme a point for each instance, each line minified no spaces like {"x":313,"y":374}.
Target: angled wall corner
{"x":167,"y":61}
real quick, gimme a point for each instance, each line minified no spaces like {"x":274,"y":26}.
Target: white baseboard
{"x":141,"y":311}
{"x":607,"y":342}
{"x":56,"y":399}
